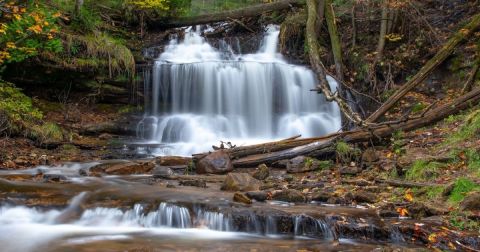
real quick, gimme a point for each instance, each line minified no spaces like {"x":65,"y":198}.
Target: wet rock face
{"x":305,"y":164}
{"x":289,"y":195}
{"x":217,"y":162}
{"x":173,"y":161}
{"x":122,"y":168}
{"x":471,"y":202}
{"x":242,"y":198}
{"x":262,"y":172}
{"x":240,"y":182}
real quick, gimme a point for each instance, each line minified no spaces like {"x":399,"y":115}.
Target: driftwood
{"x":249,"y":156}
{"x":428,"y":68}
{"x":251,"y":11}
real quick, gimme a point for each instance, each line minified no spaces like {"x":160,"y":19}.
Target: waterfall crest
{"x":200,"y":95}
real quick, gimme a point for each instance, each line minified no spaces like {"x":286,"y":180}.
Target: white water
{"x":200,"y":96}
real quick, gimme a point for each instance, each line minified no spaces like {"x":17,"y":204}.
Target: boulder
{"x":306,"y":164}
{"x":289,"y":195}
{"x":173,"y":161}
{"x":162,"y":172}
{"x":242,"y":198}
{"x":262,"y":172}
{"x":471,"y":202}
{"x":258,"y":195}
{"x":240,"y":182}
{"x":349,"y":170}
{"x":369,"y":157}
{"x":217,"y":162}
{"x":197,"y":183}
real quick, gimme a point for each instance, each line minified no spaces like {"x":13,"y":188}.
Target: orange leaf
{"x":408,"y":196}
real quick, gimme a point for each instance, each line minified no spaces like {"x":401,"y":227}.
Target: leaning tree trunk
{"x":319,"y":69}
{"x":428,"y":68}
{"x":334,"y":39}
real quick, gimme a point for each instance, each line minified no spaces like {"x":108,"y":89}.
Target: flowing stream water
{"x":199,"y":95}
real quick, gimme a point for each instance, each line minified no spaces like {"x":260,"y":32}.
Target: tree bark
{"x":334,"y":39}
{"x":446,"y":50}
{"x":319,"y":69}
{"x":251,"y":11}
{"x":383,"y":31}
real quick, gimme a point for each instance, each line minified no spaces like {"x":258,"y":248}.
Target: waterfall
{"x":200,"y":95}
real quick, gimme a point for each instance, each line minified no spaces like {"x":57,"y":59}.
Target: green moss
{"x":47,"y":132}
{"x":346,"y":152}
{"x":422,"y":170}
{"x":461,"y":187}
{"x":418,"y":107}
{"x":434,"y":192}
{"x":469,"y":130}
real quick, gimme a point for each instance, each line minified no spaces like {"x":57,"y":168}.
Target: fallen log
{"x":251,"y":11}
{"x":428,"y":68}
{"x":327,"y":143}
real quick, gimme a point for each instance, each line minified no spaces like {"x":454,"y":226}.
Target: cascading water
{"x":200,"y":95}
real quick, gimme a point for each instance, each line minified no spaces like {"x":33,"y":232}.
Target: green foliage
{"x":17,"y":107}
{"x":28,"y":32}
{"x":346,"y":152}
{"x":460,"y":221}
{"x":461,"y":187}
{"x":398,"y":142}
{"x":433,"y":192}
{"x":47,"y":132}
{"x":422,"y":170}
{"x":418,"y":107}
{"x":149,"y":4}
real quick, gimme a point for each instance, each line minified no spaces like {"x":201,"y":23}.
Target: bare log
{"x":471,"y":78}
{"x":361,"y":135}
{"x":433,"y":63}
{"x":251,"y":11}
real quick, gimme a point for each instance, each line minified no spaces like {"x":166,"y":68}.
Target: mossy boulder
{"x":305,"y":164}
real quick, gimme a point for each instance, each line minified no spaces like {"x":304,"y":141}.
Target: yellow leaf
{"x":432,"y":238}
{"x":408,"y":196}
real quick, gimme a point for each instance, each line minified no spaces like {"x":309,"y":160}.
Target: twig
{"x":242,"y":24}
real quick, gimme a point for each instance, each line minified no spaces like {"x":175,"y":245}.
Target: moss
{"x":47,"y":132}
{"x":422,"y":170}
{"x":346,"y":152}
{"x":461,"y":187}
{"x":418,"y":107}
{"x":469,"y":130}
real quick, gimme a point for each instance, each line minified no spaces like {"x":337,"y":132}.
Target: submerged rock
{"x":289,"y":195}
{"x":217,"y":162}
{"x":306,"y":164}
{"x":242,"y":198}
{"x":240,"y":182}
{"x":262,"y":172}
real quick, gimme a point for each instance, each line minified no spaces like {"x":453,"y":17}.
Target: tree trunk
{"x":334,"y":39}
{"x":320,"y":15}
{"x":354,"y":27}
{"x":383,"y":32}
{"x":251,"y":11}
{"x":319,"y":69}
{"x":446,"y":50}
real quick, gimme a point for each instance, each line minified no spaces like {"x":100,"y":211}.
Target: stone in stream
{"x":196,"y":183}
{"x":289,"y":195}
{"x":321,"y":196}
{"x":365,"y":197}
{"x":240,"y":182}
{"x":242,"y":198}
{"x":262,"y":172}
{"x":217,"y":162}
{"x":162,"y":172}
{"x":306,"y":164}
{"x":471,"y":202}
{"x":258,"y":195}
{"x":173,"y":161}
{"x":123,"y":168}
